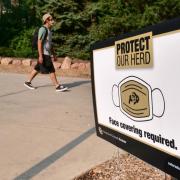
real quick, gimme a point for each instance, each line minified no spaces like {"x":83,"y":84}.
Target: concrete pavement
{"x":45,"y":134}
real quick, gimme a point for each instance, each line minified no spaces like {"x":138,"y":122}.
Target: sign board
{"x":136,"y":93}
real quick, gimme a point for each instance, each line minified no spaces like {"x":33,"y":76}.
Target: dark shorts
{"x":46,"y":67}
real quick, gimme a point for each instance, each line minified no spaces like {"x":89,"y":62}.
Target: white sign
{"x":141,"y":104}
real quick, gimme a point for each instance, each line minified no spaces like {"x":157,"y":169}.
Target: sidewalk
{"x":48,"y":135}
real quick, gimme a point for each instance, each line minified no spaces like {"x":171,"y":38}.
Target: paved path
{"x":47,"y":135}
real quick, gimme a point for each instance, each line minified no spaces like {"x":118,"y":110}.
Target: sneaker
{"x":61,"y":88}
{"x":29,"y":85}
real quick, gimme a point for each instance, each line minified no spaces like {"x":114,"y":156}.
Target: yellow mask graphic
{"x":135,"y":99}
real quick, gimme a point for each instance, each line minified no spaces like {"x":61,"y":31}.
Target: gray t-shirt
{"x":47,"y":43}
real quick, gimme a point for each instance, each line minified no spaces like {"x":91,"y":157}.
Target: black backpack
{"x":35,"y":38}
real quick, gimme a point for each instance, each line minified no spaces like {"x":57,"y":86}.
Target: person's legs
{"x":31,"y":77}
{"x":59,"y":88}
{"x":54,"y":79}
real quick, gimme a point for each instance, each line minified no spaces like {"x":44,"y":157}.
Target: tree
{"x":79,"y":23}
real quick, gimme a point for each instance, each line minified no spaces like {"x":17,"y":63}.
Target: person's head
{"x":48,"y":20}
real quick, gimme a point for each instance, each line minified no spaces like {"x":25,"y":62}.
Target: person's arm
{"x":41,"y":38}
{"x":40,"y":51}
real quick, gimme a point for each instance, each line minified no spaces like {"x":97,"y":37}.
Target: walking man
{"x":45,"y":51}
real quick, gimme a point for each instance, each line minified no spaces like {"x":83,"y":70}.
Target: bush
{"x":21,"y":44}
{"x":4,"y":51}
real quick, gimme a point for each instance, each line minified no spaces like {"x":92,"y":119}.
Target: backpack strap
{"x":45,"y":37}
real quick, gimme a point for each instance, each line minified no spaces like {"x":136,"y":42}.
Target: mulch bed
{"x":124,"y":167}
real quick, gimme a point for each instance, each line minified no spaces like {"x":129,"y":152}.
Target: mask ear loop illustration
{"x":162,"y":99}
{"x":115,"y":95}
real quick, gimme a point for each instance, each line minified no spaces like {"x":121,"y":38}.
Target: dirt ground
{"x":59,"y":72}
{"x":124,"y":167}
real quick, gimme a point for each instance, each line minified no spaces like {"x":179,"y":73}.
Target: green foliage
{"x":4,"y":51}
{"x":79,"y":23}
{"x":21,"y":44}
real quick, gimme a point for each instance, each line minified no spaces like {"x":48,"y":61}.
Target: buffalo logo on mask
{"x":134,"y":97}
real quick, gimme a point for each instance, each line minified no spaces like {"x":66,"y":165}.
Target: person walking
{"x":45,"y":51}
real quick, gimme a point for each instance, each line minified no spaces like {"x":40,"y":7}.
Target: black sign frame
{"x":155,"y":157}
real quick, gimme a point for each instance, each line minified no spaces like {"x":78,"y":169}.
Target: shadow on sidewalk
{"x":13,"y":93}
{"x":69,"y":85}
{"x":36,"y":169}
{"x":76,"y":83}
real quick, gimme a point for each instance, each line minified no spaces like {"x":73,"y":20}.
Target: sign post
{"x":136,"y":93}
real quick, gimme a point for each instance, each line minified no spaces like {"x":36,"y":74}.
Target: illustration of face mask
{"x":136,"y":99}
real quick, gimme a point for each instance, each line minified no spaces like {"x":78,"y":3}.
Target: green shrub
{"x":21,"y":44}
{"x":4,"y":51}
